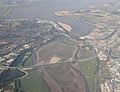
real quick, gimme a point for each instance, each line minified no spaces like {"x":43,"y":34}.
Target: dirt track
{"x":61,"y":77}
{"x":64,"y":78}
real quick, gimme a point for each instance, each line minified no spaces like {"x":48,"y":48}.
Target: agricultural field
{"x":88,"y":69}
{"x":34,"y":81}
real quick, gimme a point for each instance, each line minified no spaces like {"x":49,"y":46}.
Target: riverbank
{"x":65,"y":26}
{"x":63,"y":13}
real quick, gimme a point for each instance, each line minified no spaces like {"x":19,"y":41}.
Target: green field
{"x":34,"y":81}
{"x":88,"y":69}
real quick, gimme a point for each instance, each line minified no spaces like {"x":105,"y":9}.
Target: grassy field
{"x":88,"y":69}
{"x":34,"y":81}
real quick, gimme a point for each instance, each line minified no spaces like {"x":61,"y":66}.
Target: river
{"x":45,"y":10}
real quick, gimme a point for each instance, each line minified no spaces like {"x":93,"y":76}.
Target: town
{"x":18,"y":38}
{"x":97,"y":71}
{"x":105,"y":38}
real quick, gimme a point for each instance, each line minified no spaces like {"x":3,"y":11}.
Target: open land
{"x":104,"y":38}
{"x":61,"y":63}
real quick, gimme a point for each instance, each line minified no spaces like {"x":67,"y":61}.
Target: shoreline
{"x":63,"y":13}
{"x":65,"y":26}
